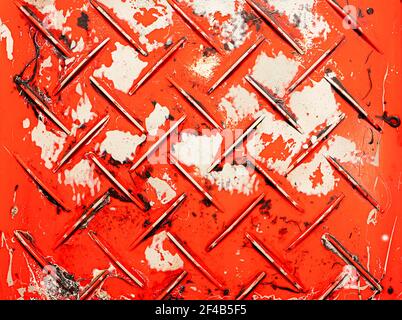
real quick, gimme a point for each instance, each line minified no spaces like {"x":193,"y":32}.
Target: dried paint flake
{"x":164,"y":191}
{"x":160,"y":259}
{"x":129,"y":10}
{"x":125,"y":68}
{"x":121,"y":145}
{"x":197,"y":150}
{"x":275,"y":73}
{"x":82,"y":175}
{"x":156,"y":119}
{"x":301,"y":13}
{"x":234,"y":178}
{"x":5,"y":33}
{"x":238,"y":104}
{"x":50,"y":143}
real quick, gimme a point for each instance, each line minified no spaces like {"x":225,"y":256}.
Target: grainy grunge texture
{"x":200,"y":149}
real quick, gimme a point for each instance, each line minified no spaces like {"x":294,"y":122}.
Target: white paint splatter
{"x":129,"y":10}
{"x":234,"y":178}
{"x":125,"y":68}
{"x":82,"y":175}
{"x":159,"y":258}
{"x":156,"y":119}
{"x":275,"y":73}
{"x":164,"y":191}
{"x":51,"y":144}
{"x":5,"y":33}
{"x":238,"y":104}
{"x":301,"y":13}
{"x":121,"y":145}
{"x":351,"y":280}
{"x":197,"y":150}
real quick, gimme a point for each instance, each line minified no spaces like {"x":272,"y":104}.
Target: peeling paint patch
{"x":128,"y":11}
{"x":301,"y":13}
{"x":159,"y":258}
{"x":125,"y":68}
{"x":121,"y":145}
{"x":50,"y":143}
{"x":5,"y":33}
{"x":275,"y":73}
{"x":197,"y":150}
{"x":205,"y":66}
{"x":164,"y":191}
{"x":156,"y":119}
{"x":317,"y":176}
{"x":231,"y":24}
{"x":234,"y":178}
{"x":238,"y":104}
{"x":82,"y":114}
{"x":82,"y":175}
{"x":54,"y":19}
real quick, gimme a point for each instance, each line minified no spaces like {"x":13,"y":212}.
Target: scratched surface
{"x":200,"y":149}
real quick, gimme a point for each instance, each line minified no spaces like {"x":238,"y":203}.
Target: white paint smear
{"x":197,"y":150}
{"x":82,"y":175}
{"x":275,"y":73}
{"x":234,"y":178}
{"x":156,"y":119}
{"x":121,"y":145}
{"x":164,"y":191}
{"x":125,"y":68}
{"x":238,"y":104}
{"x":159,"y":258}
{"x":50,"y":143}
{"x":131,"y":11}
{"x":301,"y":13}
{"x":5,"y":33}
